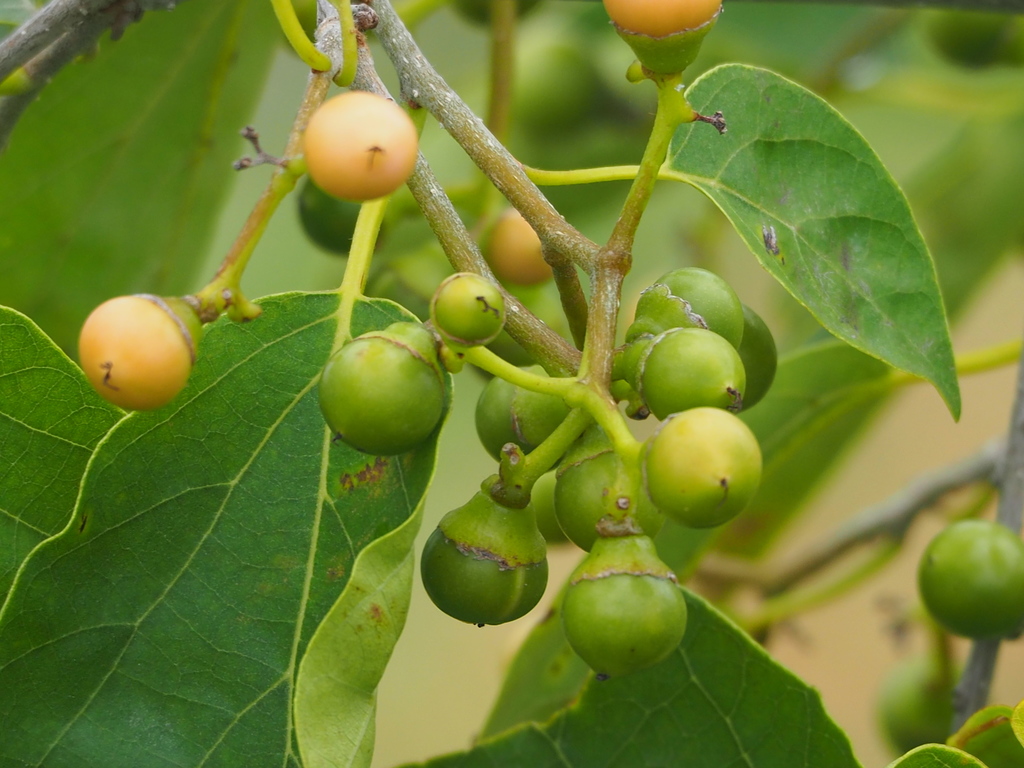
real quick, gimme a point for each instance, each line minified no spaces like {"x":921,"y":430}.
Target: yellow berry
{"x":514,"y":251}
{"x":137,"y":351}
{"x":658,"y":18}
{"x":360,"y":146}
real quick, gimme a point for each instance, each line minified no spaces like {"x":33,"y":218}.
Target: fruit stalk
{"x":364,"y":239}
{"x":223,"y":293}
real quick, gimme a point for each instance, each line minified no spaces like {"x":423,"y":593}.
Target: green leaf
{"x":336,"y":692}
{"x":1017,"y":721}
{"x":50,"y":422}
{"x":720,"y":700}
{"x":936,"y":756}
{"x":164,"y":627}
{"x":845,"y":243}
{"x":112,"y":181}
{"x":988,"y":735}
{"x":821,"y":399}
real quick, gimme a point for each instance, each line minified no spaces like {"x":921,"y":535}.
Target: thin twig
{"x":43,"y":67}
{"x":542,"y":343}
{"x":971,"y":692}
{"x":891,"y":518}
{"x":422,"y":84}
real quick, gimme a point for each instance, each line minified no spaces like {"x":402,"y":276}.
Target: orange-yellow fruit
{"x":658,"y":18}
{"x":360,"y":146}
{"x":136,"y":351}
{"x":514,"y":251}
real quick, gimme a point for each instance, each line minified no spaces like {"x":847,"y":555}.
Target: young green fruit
{"x":689,"y":298}
{"x":506,"y":413}
{"x":665,"y":35}
{"x":138,"y":351}
{"x":587,"y":492}
{"x":326,"y":220}
{"x":759,"y":356}
{"x":383,"y":392}
{"x":468,"y":310}
{"x":690,"y":368}
{"x":915,"y":705}
{"x":702,"y":467}
{"x":623,"y":610}
{"x":360,"y":146}
{"x":975,"y":39}
{"x":971,"y":579}
{"x":485,"y":563}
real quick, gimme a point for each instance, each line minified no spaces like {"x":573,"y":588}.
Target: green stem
{"x":224,"y":292}
{"x":349,"y":44}
{"x":546,"y":455}
{"x":486,"y":360}
{"x":364,"y":240}
{"x":297,"y":38}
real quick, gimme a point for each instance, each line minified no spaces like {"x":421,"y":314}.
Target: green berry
{"x":468,"y":310}
{"x":588,"y":491}
{"x":971,"y":579}
{"x":759,"y":356}
{"x":702,"y":467}
{"x":506,"y":413}
{"x":689,"y":298}
{"x":485,"y":563}
{"x":623,"y":610}
{"x":384,"y":392}
{"x":542,"y":499}
{"x":690,"y":368}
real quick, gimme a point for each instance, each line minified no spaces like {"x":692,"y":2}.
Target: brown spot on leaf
{"x":376,"y":613}
{"x":371,"y":473}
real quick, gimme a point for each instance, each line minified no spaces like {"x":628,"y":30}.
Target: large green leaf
{"x":720,"y":700}
{"x":936,"y":756}
{"x":821,"y":399}
{"x":843,"y":240}
{"x":112,"y":180}
{"x":50,"y":422}
{"x":166,"y":624}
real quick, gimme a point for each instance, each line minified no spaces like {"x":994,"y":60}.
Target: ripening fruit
{"x":690,"y":368}
{"x":485,"y":563}
{"x":586,"y":491}
{"x":360,"y":146}
{"x":326,"y":220}
{"x":623,"y":610}
{"x":384,"y":392}
{"x":138,"y":351}
{"x":915,"y":705}
{"x":971,"y":579}
{"x":690,"y":297}
{"x":760,"y":357}
{"x":506,"y":413}
{"x":468,"y":310}
{"x":702,"y":467}
{"x":514,"y":251}
{"x":658,"y":18}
